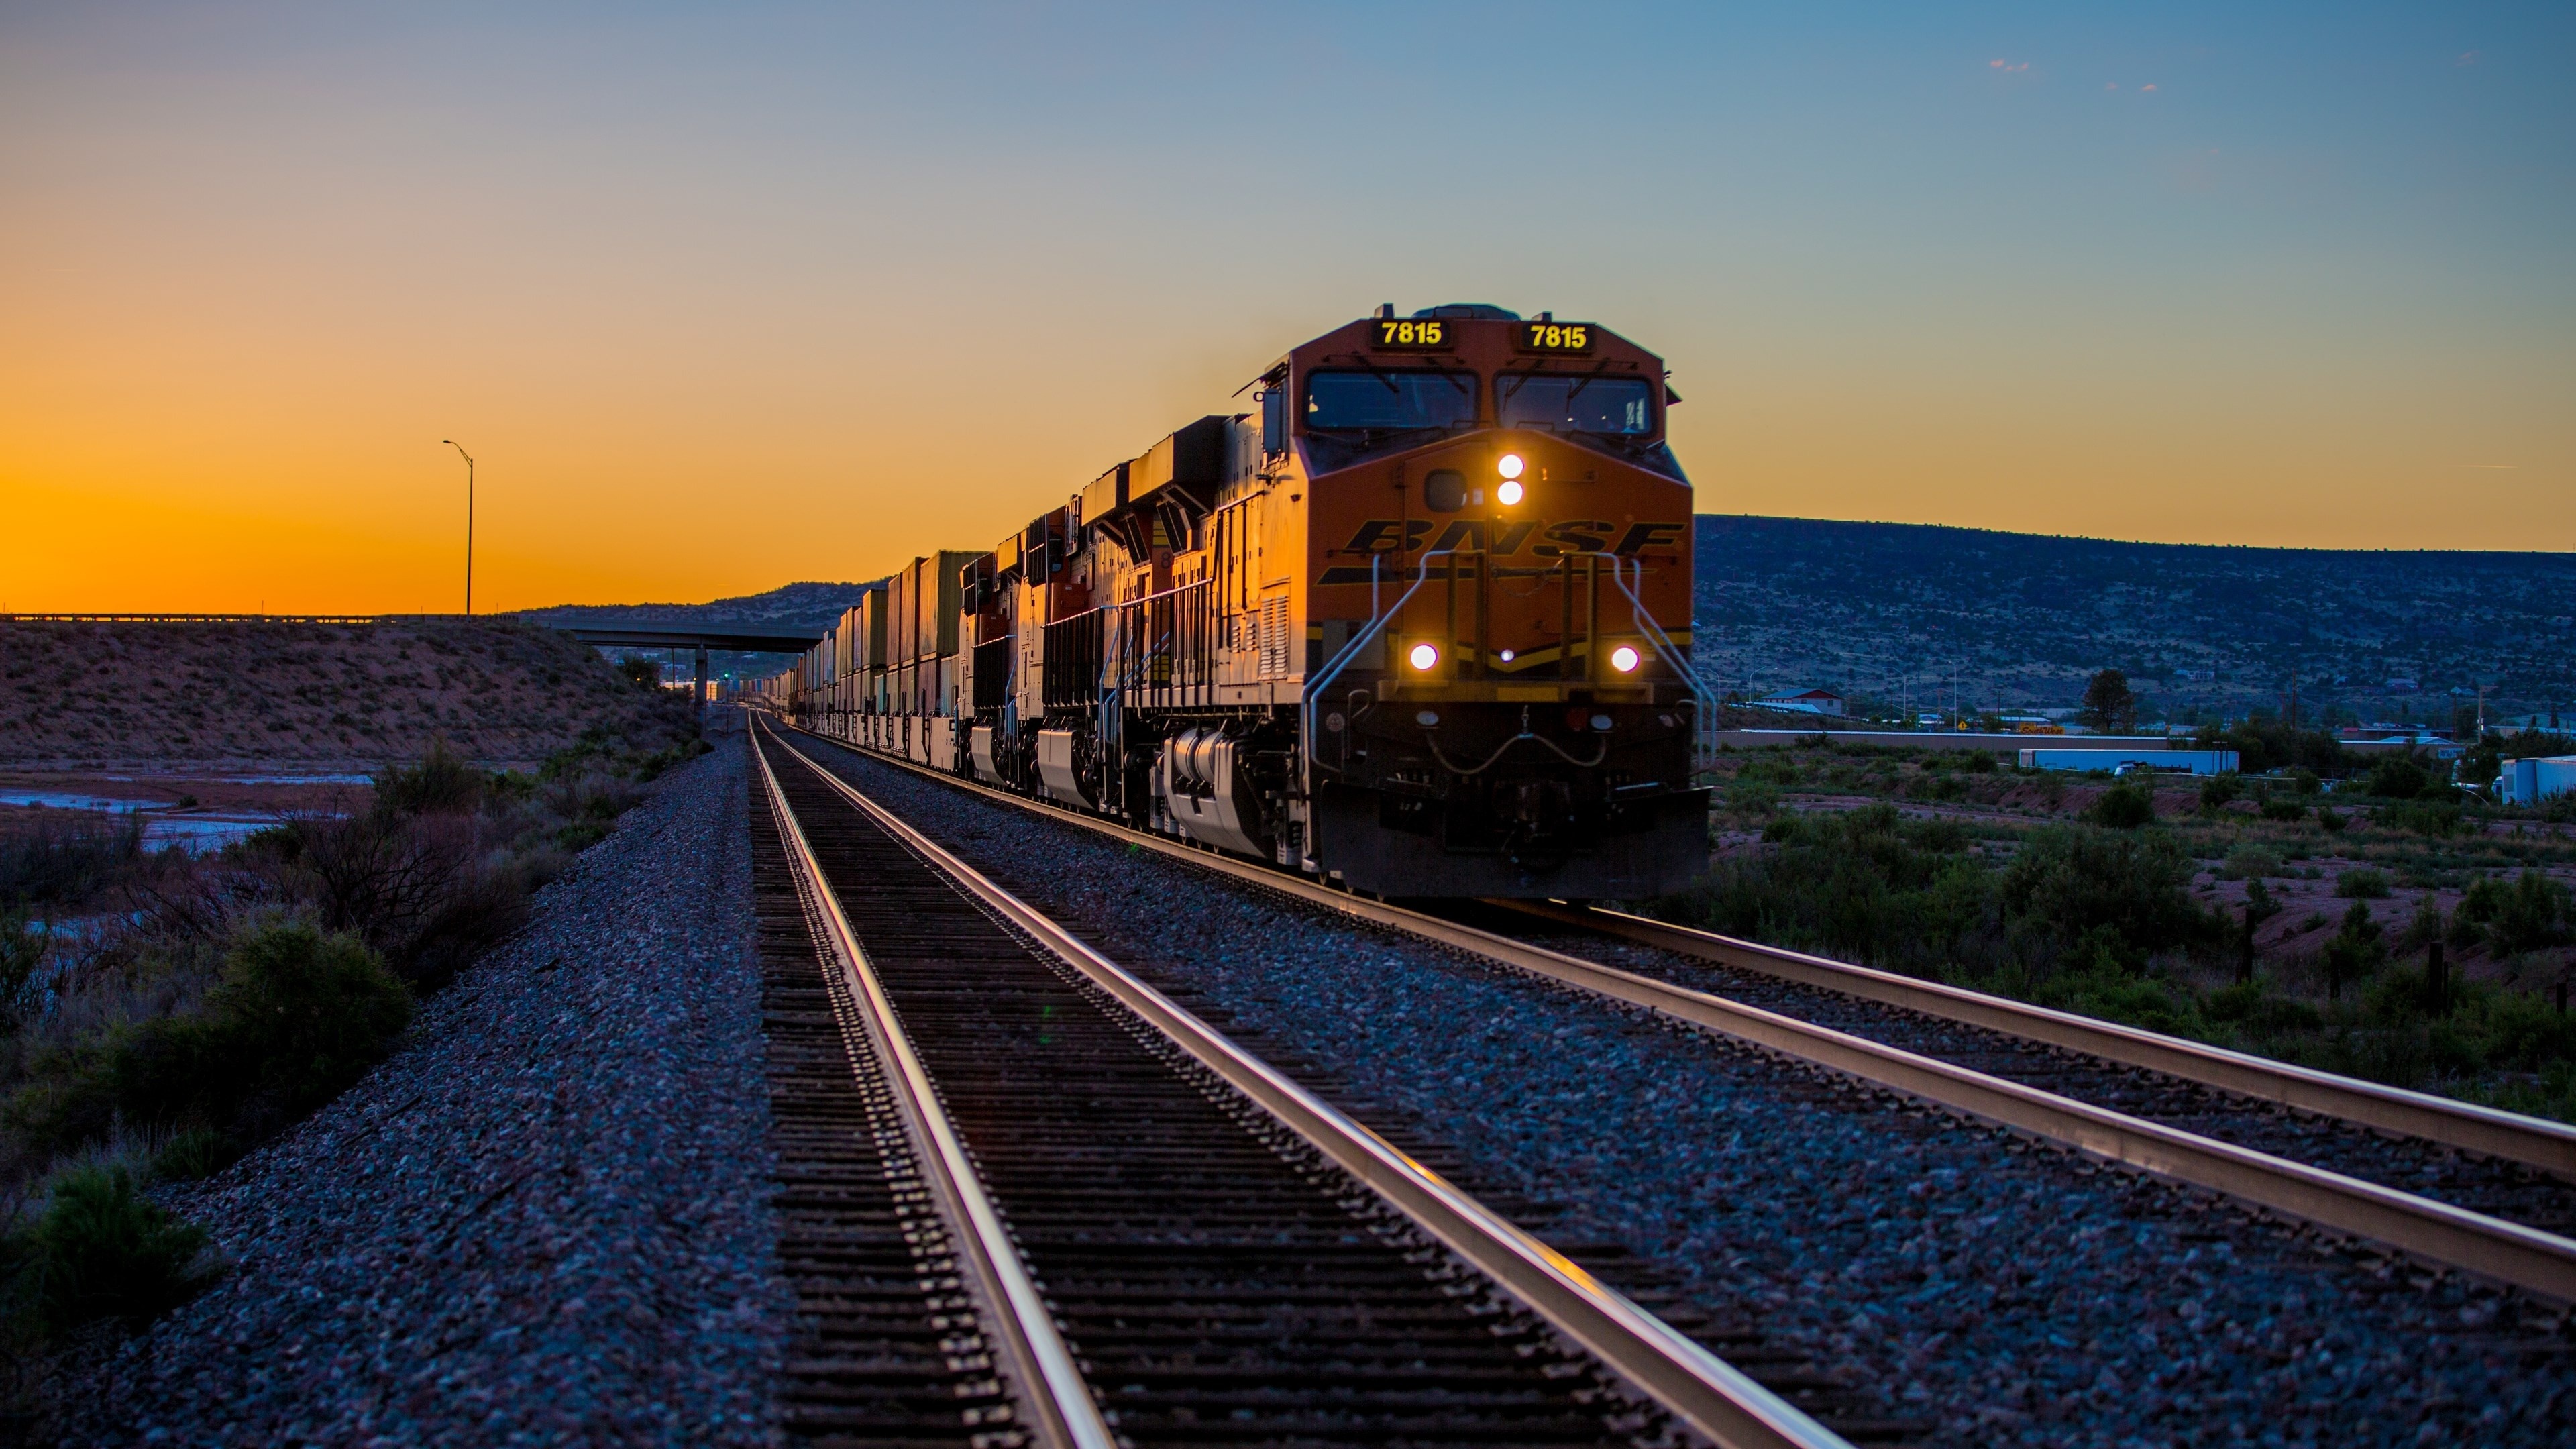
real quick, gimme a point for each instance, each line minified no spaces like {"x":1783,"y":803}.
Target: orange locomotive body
{"x":1419,"y":624}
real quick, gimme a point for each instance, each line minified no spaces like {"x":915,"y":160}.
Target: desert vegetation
{"x":2385,"y":929}
{"x":163,"y":1013}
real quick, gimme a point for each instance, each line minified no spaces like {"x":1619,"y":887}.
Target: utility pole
{"x":469,"y":522}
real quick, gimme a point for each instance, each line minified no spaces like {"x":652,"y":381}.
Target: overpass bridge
{"x":697,"y":638}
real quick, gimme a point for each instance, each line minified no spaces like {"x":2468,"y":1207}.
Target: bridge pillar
{"x":701,"y":695}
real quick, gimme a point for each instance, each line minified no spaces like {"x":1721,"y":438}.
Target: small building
{"x":1803,"y":701}
{"x":2528,"y":782}
{"x":2177,"y":762}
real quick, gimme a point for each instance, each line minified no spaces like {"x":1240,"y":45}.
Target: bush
{"x":2532,"y":915}
{"x":65,"y":857}
{"x":2070,"y":883}
{"x":2330,"y":820}
{"x":101,"y":1250}
{"x":2125,"y":806}
{"x":2355,"y":952}
{"x":426,"y":892}
{"x":441,"y":784}
{"x":296,"y":1016}
{"x":2395,"y":777}
{"x":2435,"y":818}
{"x":2278,"y":809}
{"x":2362,"y":883}
{"x":1978,"y":762}
{"x":2252,"y":862}
{"x":1865,"y":885}
{"x":2217,"y":791}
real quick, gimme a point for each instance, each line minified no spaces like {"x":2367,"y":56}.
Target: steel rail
{"x":2540,"y":1263}
{"x":1051,"y":1385}
{"x":2549,"y":1146}
{"x":1712,"y":1396}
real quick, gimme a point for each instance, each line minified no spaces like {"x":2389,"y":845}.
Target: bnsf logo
{"x":1555,"y":540}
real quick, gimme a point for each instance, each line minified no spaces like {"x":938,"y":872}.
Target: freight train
{"x":1418,"y":624}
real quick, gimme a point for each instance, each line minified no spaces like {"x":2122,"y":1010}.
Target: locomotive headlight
{"x":1624,"y":659}
{"x":1509,"y":466}
{"x":1508,"y":494}
{"x":1423,"y":656}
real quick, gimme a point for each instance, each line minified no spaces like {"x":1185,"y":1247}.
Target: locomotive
{"x":1417,"y":624}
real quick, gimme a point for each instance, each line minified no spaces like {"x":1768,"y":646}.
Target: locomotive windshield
{"x":1389,"y":400}
{"x":1567,"y":403}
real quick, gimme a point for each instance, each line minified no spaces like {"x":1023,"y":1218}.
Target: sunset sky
{"x":723,"y":297}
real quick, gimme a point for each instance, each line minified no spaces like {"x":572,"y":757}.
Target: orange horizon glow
{"x":723,"y":305}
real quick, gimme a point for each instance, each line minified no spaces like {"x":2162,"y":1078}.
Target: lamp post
{"x":469,"y":522}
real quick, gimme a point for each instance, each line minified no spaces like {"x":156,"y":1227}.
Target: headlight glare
{"x":1624,"y":659}
{"x":1508,"y":494}
{"x":1423,"y":656}
{"x":1509,"y":466}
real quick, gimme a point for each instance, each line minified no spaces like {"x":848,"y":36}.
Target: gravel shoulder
{"x":1985,"y":1290}
{"x":546,"y":1219}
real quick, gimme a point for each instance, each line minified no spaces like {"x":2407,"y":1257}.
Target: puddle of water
{"x":199,"y":834}
{"x":65,"y":800}
{"x":194,"y":833}
{"x":241,"y":779}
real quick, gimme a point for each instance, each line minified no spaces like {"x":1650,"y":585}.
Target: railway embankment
{"x":544,"y":1218}
{"x":1973,"y":1287}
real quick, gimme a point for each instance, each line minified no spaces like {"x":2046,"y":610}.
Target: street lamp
{"x":469,"y":522}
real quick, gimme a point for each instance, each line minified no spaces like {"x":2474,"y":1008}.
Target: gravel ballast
{"x":2493,"y":1186}
{"x":1984,"y":1290}
{"x":546,"y":1219}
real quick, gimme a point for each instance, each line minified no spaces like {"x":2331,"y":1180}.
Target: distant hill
{"x":2024,"y":619}
{"x":804,"y":605}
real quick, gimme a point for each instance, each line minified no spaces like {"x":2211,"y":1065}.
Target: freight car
{"x":1419,"y":623}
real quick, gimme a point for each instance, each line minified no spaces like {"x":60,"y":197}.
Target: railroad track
{"x":1030,"y":1200}
{"x":2503,"y":1179}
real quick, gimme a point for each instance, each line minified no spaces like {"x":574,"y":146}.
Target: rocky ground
{"x":546,"y":1219}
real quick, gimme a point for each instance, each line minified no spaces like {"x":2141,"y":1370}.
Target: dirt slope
{"x":259,"y":695}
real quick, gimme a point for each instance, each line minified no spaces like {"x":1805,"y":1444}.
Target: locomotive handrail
{"x":1704,"y":729}
{"x":1315,"y":687}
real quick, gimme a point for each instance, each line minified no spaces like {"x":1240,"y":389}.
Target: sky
{"x":724,"y":297}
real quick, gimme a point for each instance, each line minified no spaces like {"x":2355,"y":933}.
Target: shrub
{"x":2355,"y":951}
{"x":1752,"y":797}
{"x":65,"y":857}
{"x":441,"y":784}
{"x":2395,"y":777}
{"x":2533,"y":914}
{"x":2435,"y":818}
{"x":22,"y":957}
{"x":101,"y":1250}
{"x":2362,"y":883}
{"x":2217,"y":791}
{"x":2125,"y":806}
{"x":2330,"y":820}
{"x":2277,"y":809}
{"x":1978,"y":763}
{"x":296,"y":1016}
{"x":2068,"y":882}
{"x":2252,"y":862}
